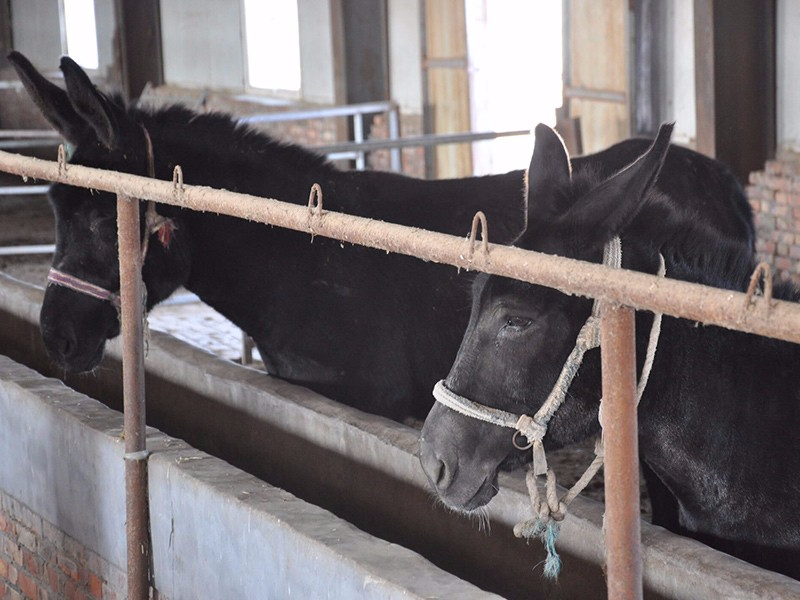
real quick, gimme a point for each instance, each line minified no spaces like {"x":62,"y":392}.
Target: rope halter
{"x":550,"y":510}
{"x":154,"y":224}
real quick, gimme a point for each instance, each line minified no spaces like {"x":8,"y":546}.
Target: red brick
{"x":70,"y":590}
{"x":68,"y":567}
{"x":783,"y":263}
{"x":28,"y":586}
{"x":5,"y":524}
{"x":13,"y":551}
{"x":95,"y":586}
{"x":52,"y":578}
{"x":31,"y":562}
{"x":12,"y":594}
{"x":26,"y":538}
{"x":779,"y":210}
{"x":765,"y":246}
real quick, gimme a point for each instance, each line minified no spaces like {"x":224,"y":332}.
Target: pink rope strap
{"x":84,"y":287}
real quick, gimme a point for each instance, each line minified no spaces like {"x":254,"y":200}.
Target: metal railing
{"x":356,"y":112}
{"x":621,"y":292}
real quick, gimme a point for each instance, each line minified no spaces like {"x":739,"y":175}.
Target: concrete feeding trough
{"x":355,"y":504}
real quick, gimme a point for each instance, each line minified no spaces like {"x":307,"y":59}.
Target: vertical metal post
{"x":358,"y":136}
{"x":620,"y":433}
{"x":132,"y":316}
{"x":394,"y":134}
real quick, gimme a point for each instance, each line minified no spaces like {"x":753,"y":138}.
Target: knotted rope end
{"x":547,"y":532}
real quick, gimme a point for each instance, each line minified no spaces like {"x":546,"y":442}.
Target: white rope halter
{"x":552,"y":509}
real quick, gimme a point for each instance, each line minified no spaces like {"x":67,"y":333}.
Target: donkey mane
{"x":219,"y":132}
{"x":693,"y":249}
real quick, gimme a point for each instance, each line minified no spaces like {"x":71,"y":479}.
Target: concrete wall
{"x":788,"y":75}
{"x":202,"y":43}
{"x":217,"y":532}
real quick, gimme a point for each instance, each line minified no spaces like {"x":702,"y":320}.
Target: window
{"x":273,"y":44}
{"x":79,"y":39}
{"x":515,"y":51}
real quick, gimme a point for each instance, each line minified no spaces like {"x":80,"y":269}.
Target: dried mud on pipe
{"x":641,"y":291}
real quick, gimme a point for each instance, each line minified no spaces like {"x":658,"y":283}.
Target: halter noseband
{"x":154,"y":223}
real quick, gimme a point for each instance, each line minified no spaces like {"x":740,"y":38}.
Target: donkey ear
{"x":92,"y":105}
{"x":51,"y":100}
{"x":612,"y":205}
{"x":550,"y":171}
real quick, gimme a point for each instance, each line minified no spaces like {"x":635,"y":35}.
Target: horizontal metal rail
{"x":28,"y":138}
{"x":355,"y":151}
{"x":572,"y":92}
{"x":417,"y":140}
{"x":24,"y":190}
{"x":324,"y":112}
{"x":48,"y":134}
{"x":779,"y":319}
{"x":32,"y":249}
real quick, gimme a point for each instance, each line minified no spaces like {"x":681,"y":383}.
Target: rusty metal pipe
{"x":620,"y":431}
{"x":641,"y":291}
{"x":132,"y":317}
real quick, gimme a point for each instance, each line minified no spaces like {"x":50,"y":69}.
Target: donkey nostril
{"x":442,"y":475}
{"x":62,"y":344}
{"x":439,"y":466}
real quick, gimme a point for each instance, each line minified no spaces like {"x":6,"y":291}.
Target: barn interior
{"x":430,"y":88}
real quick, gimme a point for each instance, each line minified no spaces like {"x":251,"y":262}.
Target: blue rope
{"x":547,"y":531}
{"x":549,"y":535}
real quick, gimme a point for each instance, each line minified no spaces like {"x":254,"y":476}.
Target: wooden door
{"x":596,"y":81}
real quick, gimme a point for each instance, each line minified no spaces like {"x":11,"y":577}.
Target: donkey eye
{"x":518,"y":322}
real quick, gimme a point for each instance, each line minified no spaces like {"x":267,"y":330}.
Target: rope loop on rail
{"x":177,"y":181}
{"x":315,"y":200}
{"x":62,"y":160}
{"x":762,"y":270}
{"x":314,"y":207}
{"x":478,"y":219}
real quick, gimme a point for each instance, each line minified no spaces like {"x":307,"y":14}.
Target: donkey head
{"x":520,"y":335}
{"x":102,"y":133}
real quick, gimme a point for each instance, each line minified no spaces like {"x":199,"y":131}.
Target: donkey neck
{"x":712,"y":419}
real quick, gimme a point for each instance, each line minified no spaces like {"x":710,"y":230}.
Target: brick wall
{"x":774,"y":194}
{"x":413,"y":157}
{"x":40,"y":562}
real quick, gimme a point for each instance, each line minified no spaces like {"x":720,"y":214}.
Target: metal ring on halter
{"x":517,"y":445}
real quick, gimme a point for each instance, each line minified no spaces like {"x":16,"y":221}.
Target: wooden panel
{"x":448,"y":83}
{"x":704,"y":76}
{"x":598,"y":61}
{"x":140,"y":42}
